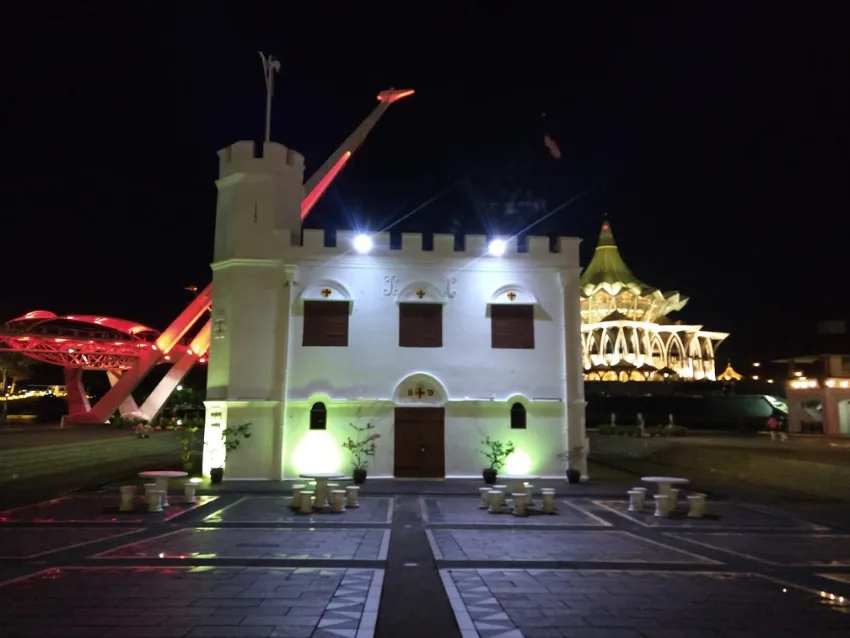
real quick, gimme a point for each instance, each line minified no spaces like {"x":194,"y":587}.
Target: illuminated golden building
{"x":627,"y":334}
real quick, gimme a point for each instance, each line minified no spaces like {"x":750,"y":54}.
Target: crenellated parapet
{"x":318,"y":244}
{"x":251,"y":158}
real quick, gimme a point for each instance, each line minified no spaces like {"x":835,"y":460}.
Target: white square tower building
{"x":437,"y":349}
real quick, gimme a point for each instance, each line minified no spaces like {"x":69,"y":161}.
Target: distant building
{"x":627,"y":334}
{"x":818,"y":394}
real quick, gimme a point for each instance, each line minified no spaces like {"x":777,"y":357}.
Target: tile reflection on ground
{"x":818,"y":550}
{"x":277,"y":509}
{"x":719,"y":514}
{"x":18,"y":542}
{"x":192,"y":601}
{"x":467,"y":511}
{"x":552,"y":545}
{"x":270,"y":544}
{"x":634,"y":603}
{"x":97,"y":508}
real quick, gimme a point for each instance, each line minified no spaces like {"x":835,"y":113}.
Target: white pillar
{"x":573,"y":371}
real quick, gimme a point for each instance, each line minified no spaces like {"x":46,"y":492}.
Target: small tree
{"x":362,"y":446}
{"x":496,"y":452}
{"x":13,"y":367}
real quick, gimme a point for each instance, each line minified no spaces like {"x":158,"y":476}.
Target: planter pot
{"x":216,"y":474}
{"x":359,"y":477}
{"x":489,"y":476}
{"x":573,"y":476}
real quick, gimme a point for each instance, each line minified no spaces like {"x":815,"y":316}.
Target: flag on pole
{"x":552,"y":146}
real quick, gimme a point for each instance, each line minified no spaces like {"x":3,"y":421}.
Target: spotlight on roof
{"x":363,"y":244}
{"x":497,"y":247}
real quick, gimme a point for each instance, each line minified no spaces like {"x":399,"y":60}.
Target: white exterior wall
{"x":260,"y":373}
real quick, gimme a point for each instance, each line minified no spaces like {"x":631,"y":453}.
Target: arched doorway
{"x":419,"y":427}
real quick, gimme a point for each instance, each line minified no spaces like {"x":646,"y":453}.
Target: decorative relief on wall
{"x":326,"y":292}
{"x":219,"y":327}
{"x":450,"y":283}
{"x":513,"y":294}
{"x":420,"y":293}
{"x":391,"y":289}
{"x":420,"y":388}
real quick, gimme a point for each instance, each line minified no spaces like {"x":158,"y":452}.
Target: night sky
{"x":715,"y":138}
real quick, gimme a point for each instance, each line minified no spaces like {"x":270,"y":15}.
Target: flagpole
{"x":271,"y":65}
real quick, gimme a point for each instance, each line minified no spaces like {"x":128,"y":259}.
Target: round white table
{"x":515,"y":482}
{"x":161,"y":478}
{"x":322,"y":479}
{"x":665,"y":482}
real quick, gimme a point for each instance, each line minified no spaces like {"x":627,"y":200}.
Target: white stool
{"x":352,"y":496}
{"x":485,"y":497}
{"x":501,"y":489}
{"x":128,"y":498}
{"x":661,"y":506}
{"x":189,"y":491}
{"x":149,"y":487}
{"x":548,"y":500}
{"x":155,"y":500}
{"x":696,"y":505}
{"x":519,"y":504}
{"x":296,"y":496}
{"x":636,"y":501}
{"x":337,"y":501}
{"x":496,"y":501}
{"x":642,"y":497}
{"x":529,"y":494}
{"x":673,"y":496}
{"x":306,"y":502}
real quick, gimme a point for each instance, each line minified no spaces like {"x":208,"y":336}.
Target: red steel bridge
{"x":128,"y":351}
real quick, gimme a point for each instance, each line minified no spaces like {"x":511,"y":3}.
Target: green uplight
{"x":317,"y":451}
{"x":518,"y":463}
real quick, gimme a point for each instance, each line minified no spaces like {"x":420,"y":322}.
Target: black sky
{"x":714,"y":135}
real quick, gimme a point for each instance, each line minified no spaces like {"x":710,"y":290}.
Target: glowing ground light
{"x":497,"y":247}
{"x":363,"y":244}
{"x":518,"y":463}
{"x":317,"y":451}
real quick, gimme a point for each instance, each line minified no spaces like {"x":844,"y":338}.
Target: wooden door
{"x":420,"y":443}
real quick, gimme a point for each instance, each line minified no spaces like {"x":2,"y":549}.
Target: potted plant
{"x":573,"y":457}
{"x":191,"y":437}
{"x":231,"y":438}
{"x":495,"y":452}
{"x":361,"y":447}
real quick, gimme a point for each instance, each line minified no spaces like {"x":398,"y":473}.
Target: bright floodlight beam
{"x":363,"y":244}
{"x":322,"y":178}
{"x":497,"y":247}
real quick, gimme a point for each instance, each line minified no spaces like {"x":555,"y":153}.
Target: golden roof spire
{"x":607,"y":270}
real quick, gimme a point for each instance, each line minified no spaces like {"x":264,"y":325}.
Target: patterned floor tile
{"x":554,"y":603}
{"x":819,"y":550}
{"x":291,"y":543}
{"x":718,"y":516}
{"x":97,"y":508}
{"x":464,"y":511}
{"x":277,"y":509}
{"x":551,"y":545}
{"x":190,"y":601}
{"x":29,"y":542}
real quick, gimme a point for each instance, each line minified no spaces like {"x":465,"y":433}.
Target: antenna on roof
{"x":271,"y":65}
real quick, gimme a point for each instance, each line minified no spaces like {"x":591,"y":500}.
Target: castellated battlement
{"x":266,"y":159}
{"x":318,"y":243}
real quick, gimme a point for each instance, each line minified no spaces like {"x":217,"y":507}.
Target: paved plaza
{"x":244,"y":565}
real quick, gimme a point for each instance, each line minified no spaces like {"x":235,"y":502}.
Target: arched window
{"x":518,"y":416}
{"x":318,"y":417}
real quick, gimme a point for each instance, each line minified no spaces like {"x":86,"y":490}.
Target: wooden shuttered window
{"x":512,"y":326}
{"x":420,"y":325}
{"x":325,"y":323}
